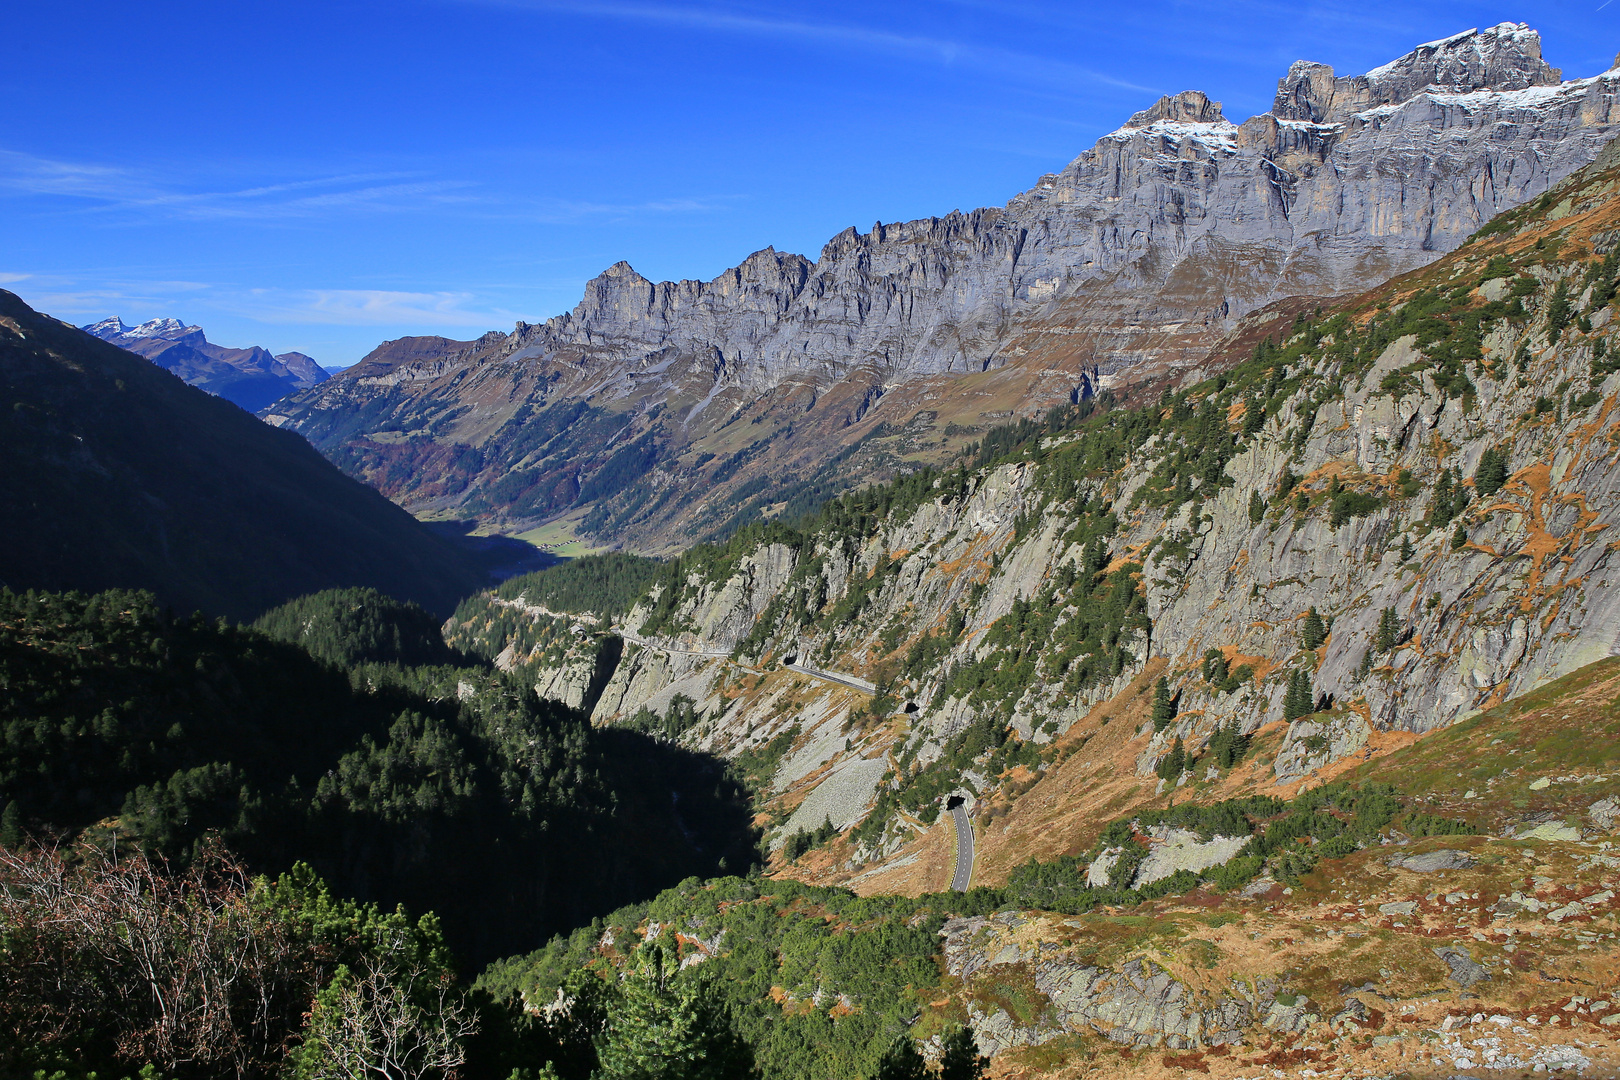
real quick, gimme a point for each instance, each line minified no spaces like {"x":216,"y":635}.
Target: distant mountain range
{"x":251,"y":377}
{"x":656,"y":413}
{"x":118,"y":475}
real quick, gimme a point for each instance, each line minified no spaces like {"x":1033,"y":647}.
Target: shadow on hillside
{"x":498,"y":557}
{"x":675,"y":813}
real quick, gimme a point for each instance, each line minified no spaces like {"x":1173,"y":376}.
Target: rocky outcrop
{"x":1135,"y":257}
{"x":1137,"y":1003}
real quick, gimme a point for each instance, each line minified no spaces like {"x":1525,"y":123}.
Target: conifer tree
{"x":1227,"y":745}
{"x":1174,"y":763}
{"x":1257,"y":507}
{"x":1406,"y":548}
{"x":11,"y":832}
{"x":1314,"y":633}
{"x":1254,"y":416}
{"x":1300,"y":698}
{"x":1558,"y":311}
{"x":1164,"y":706}
{"x":1440,"y":511}
{"x":1492,"y":472}
{"x":960,"y":1058}
{"x":665,"y":1028}
{"x":901,"y":1062}
{"x":1388,"y":632}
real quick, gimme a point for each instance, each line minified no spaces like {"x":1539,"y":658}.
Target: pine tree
{"x":960,"y":1058}
{"x":1300,"y":698}
{"x":1257,"y":507}
{"x":665,"y":1028}
{"x":1440,"y":511}
{"x":1254,"y":417}
{"x":1459,"y":537}
{"x":1460,"y":496}
{"x":1095,"y":556}
{"x":901,"y":1062}
{"x":1164,"y":706}
{"x":1406,"y":548}
{"x":1558,"y":312}
{"x":1388,"y":632}
{"x":1174,"y":763}
{"x":1492,"y":472}
{"x":1314,"y":633}
{"x":1227,"y":745}
{"x":11,"y":835}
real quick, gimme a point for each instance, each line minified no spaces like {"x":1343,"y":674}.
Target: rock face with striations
{"x":1134,"y":258}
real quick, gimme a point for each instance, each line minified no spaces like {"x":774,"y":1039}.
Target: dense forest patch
{"x":450,"y":787}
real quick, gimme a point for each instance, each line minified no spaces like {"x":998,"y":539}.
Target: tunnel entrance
{"x":953,"y":802}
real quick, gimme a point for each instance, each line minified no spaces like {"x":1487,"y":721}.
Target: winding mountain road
{"x":964,"y":848}
{"x":850,"y":681}
{"x":663,"y":647}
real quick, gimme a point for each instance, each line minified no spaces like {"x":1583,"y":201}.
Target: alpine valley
{"x":1165,"y":625}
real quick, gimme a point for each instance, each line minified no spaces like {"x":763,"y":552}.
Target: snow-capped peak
{"x":161,"y":328}
{"x":110,"y":327}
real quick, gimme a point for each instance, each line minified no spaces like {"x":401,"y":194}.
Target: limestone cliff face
{"x":1134,"y":258}
{"x":1346,"y":178}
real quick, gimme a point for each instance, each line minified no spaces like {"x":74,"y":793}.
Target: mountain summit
{"x":692,"y":406}
{"x":251,"y":377}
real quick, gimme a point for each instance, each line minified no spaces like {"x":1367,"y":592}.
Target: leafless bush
{"x":387,"y":1021}
{"x":191,"y":971}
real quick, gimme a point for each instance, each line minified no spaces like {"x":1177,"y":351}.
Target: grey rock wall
{"x":1178,"y":216}
{"x":1135,"y":257}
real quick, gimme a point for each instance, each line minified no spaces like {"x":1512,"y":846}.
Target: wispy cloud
{"x":369,"y":307}
{"x":131,"y":193}
{"x":573,"y":211}
{"x":1004,"y":63}
{"x":204,"y":302}
{"x":104,"y":188}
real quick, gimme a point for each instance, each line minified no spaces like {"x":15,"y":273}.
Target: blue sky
{"x":323,"y":176}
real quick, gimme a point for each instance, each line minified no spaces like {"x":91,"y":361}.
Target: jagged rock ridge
{"x":1135,"y":257}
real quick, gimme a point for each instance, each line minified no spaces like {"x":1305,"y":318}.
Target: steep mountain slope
{"x":1284,"y":708}
{"x":1392,"y":925}
{"x":119,"y":475}
{"x":690,"y":407}
{"x":251,"y":377}
{"x":1397,"y":517}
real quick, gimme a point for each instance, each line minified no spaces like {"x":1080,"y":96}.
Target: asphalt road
{"x":636,"y":639}
{"x":842,"y":680}
{"x":964,"y":850}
